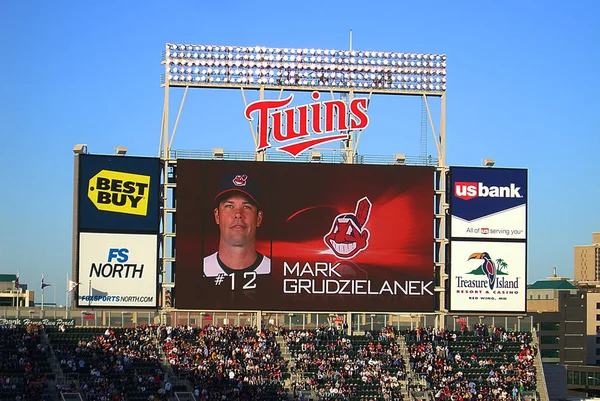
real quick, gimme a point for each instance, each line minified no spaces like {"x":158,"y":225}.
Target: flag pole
{"x":42,"y":290}
{"x":67,"y":297}
{"x":18,"y":292}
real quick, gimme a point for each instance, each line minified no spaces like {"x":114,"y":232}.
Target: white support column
{"x":259,"y":320}
{"x":166,"y":156}
{"x":261,"y":156}
{"x":349,"y":322}
{"x":349,"y":144}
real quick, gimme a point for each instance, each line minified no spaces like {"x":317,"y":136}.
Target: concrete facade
{"x":586,"y":260}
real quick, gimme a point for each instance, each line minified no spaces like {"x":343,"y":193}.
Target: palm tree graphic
{"x":502,"y":265}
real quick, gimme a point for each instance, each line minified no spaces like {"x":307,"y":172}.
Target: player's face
{"x":238,"y":219}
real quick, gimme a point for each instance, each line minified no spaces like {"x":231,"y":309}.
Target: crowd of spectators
{"x":24,"y":363}
{"x":227,"y":363}
{"x":483,"y":365}
{"x":116,"y":365}
{"x":341,"y":367}
{"x":242,"y":363}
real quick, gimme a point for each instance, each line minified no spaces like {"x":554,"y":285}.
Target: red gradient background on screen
{"x":300,"y":204}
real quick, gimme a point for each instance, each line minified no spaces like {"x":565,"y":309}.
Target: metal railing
{"x":358,"y":323}
{"x":329,"y":156}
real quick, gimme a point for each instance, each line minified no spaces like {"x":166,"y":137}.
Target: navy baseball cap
{"x":239,"y":182}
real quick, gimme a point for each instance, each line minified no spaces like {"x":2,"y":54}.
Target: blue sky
{"x":522,"y":89}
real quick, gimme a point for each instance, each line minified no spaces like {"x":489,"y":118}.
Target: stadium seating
{"x":232,"y":363}
{"x":24,"y":366}
{"x":342,"y":367}
{"x":114,"y":363}
{"x":492,"y":364}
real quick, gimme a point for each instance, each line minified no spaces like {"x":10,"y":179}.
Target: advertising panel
{"x":307,"y":237}
{"x":488,"y":276}
{"x":488,"y":203}
{"x":117,"y":270}
{"x":48,"y":322}
{"x":118,"y":193}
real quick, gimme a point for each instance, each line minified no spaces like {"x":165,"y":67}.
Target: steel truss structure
{"x":337,"y":72}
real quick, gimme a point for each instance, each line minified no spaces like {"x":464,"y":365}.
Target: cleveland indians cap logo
{"x":240,"y":180}
{"x":348,"y":235}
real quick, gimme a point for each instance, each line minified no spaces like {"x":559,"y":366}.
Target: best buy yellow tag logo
{"x":117,"y":192}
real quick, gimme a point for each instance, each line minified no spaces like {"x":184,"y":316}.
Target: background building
{"x":593,"y":328}
{"x":586,"y":260}
{"x":13,"y":295}
{"x":561,"y":333}
{"x":543,"y":295}
{"x":566,"y":314}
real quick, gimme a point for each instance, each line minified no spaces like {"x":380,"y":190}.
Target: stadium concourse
{"x":161,"y":362}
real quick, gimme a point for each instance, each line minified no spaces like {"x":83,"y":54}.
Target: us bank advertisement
{"x":304,"y":236}
{"x":117,"y":270}
{"x":488,"y":276}
{"x":488,"y":203}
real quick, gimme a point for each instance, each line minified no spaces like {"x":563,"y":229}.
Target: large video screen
{"x":304,"y":237}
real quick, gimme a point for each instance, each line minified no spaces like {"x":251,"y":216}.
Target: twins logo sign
{"x":348,"y":235}
{"x":303,"y":125}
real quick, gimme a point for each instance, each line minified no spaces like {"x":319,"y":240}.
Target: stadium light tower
{"x":294,"y":69}
{"x":304,"y":69}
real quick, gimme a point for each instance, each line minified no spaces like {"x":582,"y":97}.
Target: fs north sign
{"x":117,"y":270}
{"x":297,"y":129}
{"x":488,"y":203}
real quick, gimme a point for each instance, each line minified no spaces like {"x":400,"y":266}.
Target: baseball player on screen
{"x":238,"y":214}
